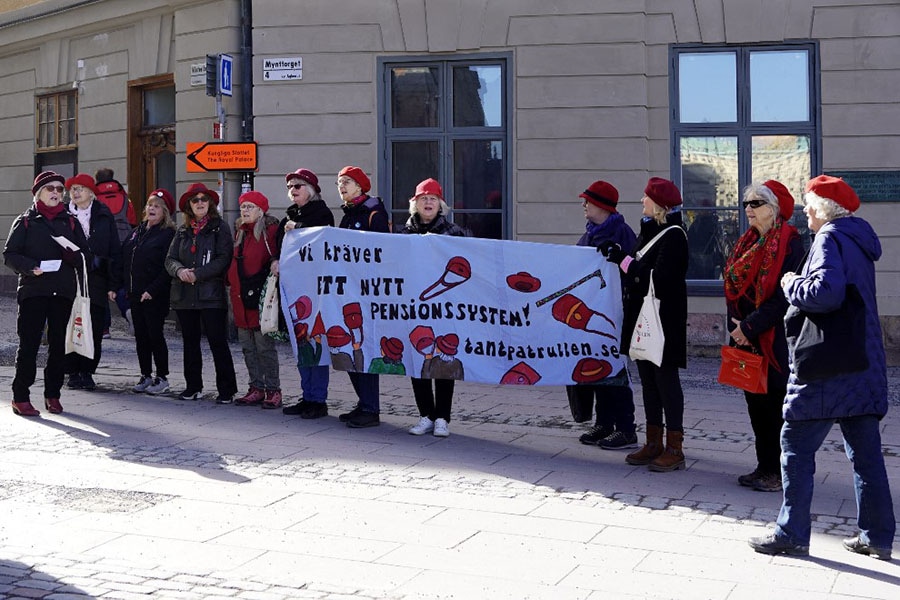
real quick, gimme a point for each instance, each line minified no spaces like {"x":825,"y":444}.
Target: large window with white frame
{"x":739,"y":114}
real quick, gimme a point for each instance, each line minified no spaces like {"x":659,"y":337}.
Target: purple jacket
{"x":843,"y":251}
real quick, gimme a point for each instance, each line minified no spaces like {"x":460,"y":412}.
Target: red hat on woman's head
{"x":357,"y":175}
{"x":429,"y":187}
{"x":84,"y":180}
{"x":663,"y":192}
{"x":835,"y":189}
{"x":601,"y":194}
{"x":254,"y":197}
{"x":166,"y":197}
{"x":307,"y":176}
{"x":785,"y":200}
{"x":197,"y":188}
{"x":44,"y":178}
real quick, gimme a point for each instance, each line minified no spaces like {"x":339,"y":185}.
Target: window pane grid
{"x":56,"y":122}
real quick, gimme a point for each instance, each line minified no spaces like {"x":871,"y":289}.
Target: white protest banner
{"x":436,"y":306}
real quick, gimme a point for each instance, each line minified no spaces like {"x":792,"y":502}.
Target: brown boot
{"x":651,"y":449}
{"x":673,"y":458}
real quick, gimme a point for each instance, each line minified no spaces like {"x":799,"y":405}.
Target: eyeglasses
{"x":295,"y":186}
{"x":55,"y":188}
{"x":198,"y":199}
{"x":344,"y":181}
{"x":754,"y":203}
{"x":248,"y":206}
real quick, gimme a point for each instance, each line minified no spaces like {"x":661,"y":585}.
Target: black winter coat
{"x":144,"y":262}
{"x":213,"y":250}
{"x":368,"y":215}
{"x":668,"y":260}
{"x":30,"y":241}
{"x":439,"y":225}
{"x":313,"y":214}
{"x":105,"y":268}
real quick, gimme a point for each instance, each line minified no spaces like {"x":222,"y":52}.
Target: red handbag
{"x":745,"y":370}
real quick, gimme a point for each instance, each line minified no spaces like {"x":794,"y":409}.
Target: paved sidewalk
{"x":130,"y":496}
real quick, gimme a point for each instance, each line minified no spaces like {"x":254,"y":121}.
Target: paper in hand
{"x":65,"y":243}
{"x":49,"y":266}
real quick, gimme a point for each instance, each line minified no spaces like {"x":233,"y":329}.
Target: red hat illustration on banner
{"x":392,"y":348}
{"x":572,"y":311}
{"x":337,"y":337}
{"x":447,"y":344}
{"x":457,"y":271}
{"x":520,"y":374}
{"x":318,"y":326}
{"x":523,"y":282}
{"x":422,"y":339}
{"x":591,"y":370}
{"x":300,"y":331}
{"x":301,"y":309}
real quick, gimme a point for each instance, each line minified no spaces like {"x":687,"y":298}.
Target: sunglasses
{"x":55,"y":188}
{"x":754,"y":203}
{"x":295,"y":186}
{"x":198,"y":199}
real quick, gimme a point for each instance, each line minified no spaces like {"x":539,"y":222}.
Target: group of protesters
{"x":201,"y":267}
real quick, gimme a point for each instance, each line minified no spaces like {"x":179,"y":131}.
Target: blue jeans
{"x":314,"y":383}
{"x":366,"y":387}
{"x":862,"y":442}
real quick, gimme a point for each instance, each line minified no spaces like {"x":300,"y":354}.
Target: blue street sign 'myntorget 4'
{"x":226,"y":70}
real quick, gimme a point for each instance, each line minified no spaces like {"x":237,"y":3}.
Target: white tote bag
{"x":648,"y":340}
{"x":268,"y":312}
{"x":79,"y":335}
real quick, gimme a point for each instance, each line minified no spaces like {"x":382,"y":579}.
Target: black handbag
{"x":823,"y":345}
{"x":251,"y":285}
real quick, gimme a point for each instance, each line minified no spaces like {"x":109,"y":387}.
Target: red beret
{"x":307,"y":176}
{"x":601,"y":194}
{"x":254,"y":197}
{"x":836,"y":189}
{"x":337,"y":337}
{"x":785,"y":200}
{"x":357,"y":175}
{"x":44,"y":178}
{"x":84,"y":180}
{"x":429,"y":186}
{"x":421,"y":337}
{"x":197,"y":188}
{"x":392,"y":348}
{"x":663,"y":192}
{"x":447,"y":343}
{"x":520,"y":374}
{"x":166,"y":197}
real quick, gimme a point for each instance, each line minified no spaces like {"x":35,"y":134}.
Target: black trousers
{"x":34,"y":314}
{"x":149,"y":318}
{"x":76,"y":363}
{"x":663,"y":396}
{"x":436,"y":403}
{"x":766,"y":420}
{"x":214,"y":323}
{"x":614,"y":405}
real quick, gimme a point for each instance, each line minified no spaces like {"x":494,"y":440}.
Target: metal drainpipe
{"x":247,"y":82}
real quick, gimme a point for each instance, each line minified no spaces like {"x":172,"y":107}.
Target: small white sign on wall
{"x":198,"y":74}
{"x":283,"y":69}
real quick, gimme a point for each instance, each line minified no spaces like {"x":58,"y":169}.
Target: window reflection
{"x":411,"y":162}
{"x":707,"y":87}
{"x":779,"y":86}
{"x":477,"y":97}
{"x":414,"y":93}
{"x":159,"y":106}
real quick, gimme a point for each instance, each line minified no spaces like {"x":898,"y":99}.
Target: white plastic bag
{"x":648,"y":340}
{"x":79,"y":335}
{"x":268,"y":311}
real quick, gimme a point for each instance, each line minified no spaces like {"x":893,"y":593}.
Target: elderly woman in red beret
{"x":197,"y":261}
{"x":307,"y":209}
{"x":147,"y":285}
{"x":104,"y":270}
{"x":47,"y":275}
{"x":254,"y":251}
{"x":770,"y":248}
{"x":661,"y":252}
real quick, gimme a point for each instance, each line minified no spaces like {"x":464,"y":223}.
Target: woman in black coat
{"x":198,"y":261}
{"x":147,"y":285}
{"x":667,"y":259}
{"x":45,"y":291}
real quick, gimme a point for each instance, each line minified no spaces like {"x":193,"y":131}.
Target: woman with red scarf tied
{"x":756,"y":305}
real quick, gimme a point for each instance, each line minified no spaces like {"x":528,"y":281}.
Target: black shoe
{"x":224,"y":398}
{"x":74,"y":382}
{"x":750,"y":478}
{"x":190,"y":395}
{"x":87,"y":382}
{"x":772,"y":544}
{"x":295,"y":409}
{"x":347,"y":416}
{"x":595,"y":434}
{"x":315,"y":410}
{"x":363,"y":419}
{"x":854,"y":544}
{"x":618,"y":440}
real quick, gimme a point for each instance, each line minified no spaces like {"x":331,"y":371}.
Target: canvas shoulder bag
{"x":79,"y":334}
{"x":648,"y":339}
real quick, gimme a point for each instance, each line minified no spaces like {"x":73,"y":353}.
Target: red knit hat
{"x":429,"y":187}
{"x":44,"y":178}
{"x":307,"y":176}
{"x":392,"y":348}
{"x":197,"y":188}
{"x":663,"y":192}
{"x":601,"y":194}
{"x":166,"y":197}
{"x":84,"y":180}
{"x":256,"y":198}
{"x":785,"y":200}
{"x":836,"y":189}
{"x":357,"y":175}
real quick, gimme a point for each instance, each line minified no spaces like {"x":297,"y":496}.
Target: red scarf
{"x":753,"y":271}
{"x":196,"y":227}
{"x":49,"y":212}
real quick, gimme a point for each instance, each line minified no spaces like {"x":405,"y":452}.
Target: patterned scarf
{"x":196,"y":227}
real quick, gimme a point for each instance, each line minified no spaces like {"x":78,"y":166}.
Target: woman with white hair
{"x":842,"y":256}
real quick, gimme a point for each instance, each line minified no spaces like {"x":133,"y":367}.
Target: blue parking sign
{"x":226,"y":70}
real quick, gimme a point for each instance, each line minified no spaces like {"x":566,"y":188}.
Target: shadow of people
{"x":18,"y":580}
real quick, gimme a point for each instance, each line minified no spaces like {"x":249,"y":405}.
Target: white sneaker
{"x":422,"y":427}
{"x":441,"y":428}
{"x":160,"y":386}
{"x":142,"y":385}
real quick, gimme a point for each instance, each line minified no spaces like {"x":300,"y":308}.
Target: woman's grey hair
{"x":826,"y":209}
{"x":758,"y":191}
{"x":314,"y":196}
{"x":167,"y":221}
{"x":443,"y":205}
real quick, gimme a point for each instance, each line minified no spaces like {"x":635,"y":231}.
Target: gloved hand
{"x":607,"y":245}
{"x":71,"y":257}
{"x":616,"y":255}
